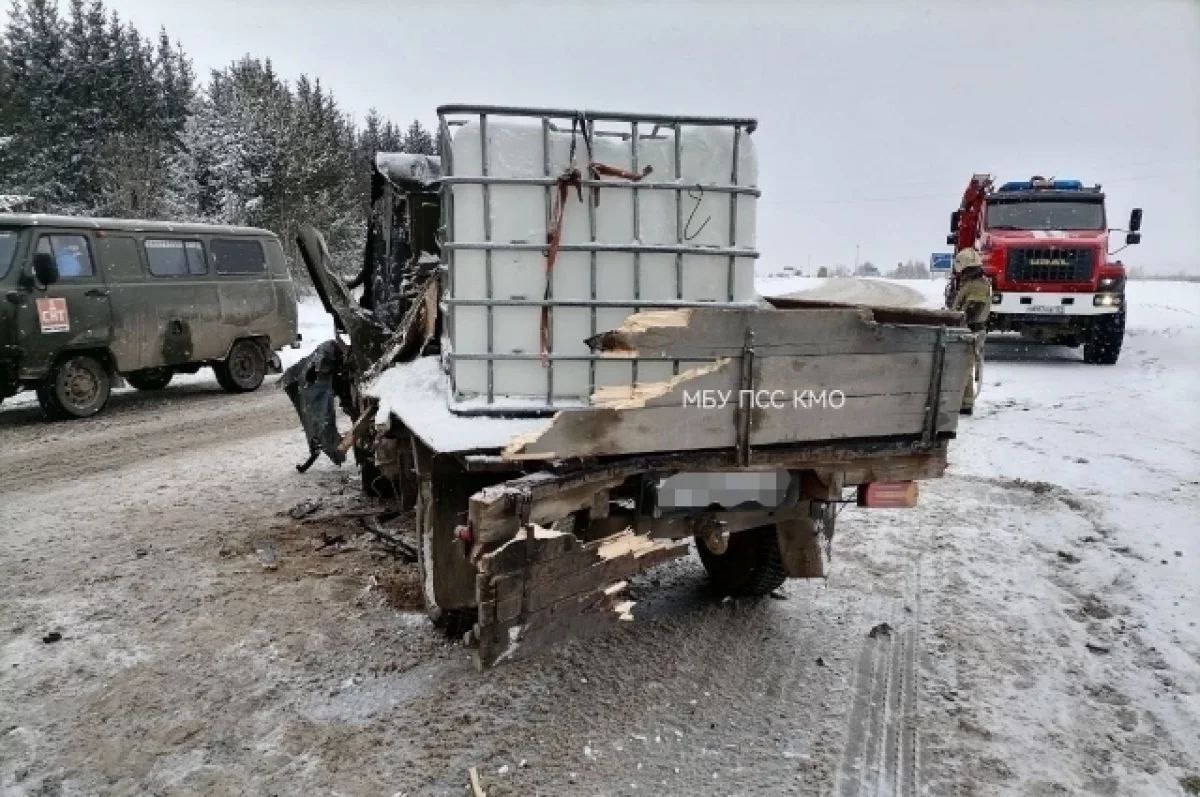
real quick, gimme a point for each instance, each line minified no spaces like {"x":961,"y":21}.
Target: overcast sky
{"x":872,"y":115}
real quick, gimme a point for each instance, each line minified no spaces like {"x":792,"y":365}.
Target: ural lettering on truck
{"x":1045,"y":246}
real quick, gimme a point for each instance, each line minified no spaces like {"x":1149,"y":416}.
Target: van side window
{"x":238,"y":256}
{"x":8,"y":248}
{"x":172,"y":257}
{"x":70,"y":252}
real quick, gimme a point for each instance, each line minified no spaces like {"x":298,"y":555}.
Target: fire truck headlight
{"x":996,"y":297}
{"x":1112,"y":284}
{"x":1106,"y":300}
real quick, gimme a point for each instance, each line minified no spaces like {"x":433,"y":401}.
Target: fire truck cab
{"x":1044,"y":244}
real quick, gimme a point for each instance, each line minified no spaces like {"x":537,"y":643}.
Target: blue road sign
{"x":941,"y":261}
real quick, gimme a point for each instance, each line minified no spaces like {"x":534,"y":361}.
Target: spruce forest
{"x":98,"y":119}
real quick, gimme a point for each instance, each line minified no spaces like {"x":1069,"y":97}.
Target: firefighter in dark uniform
{"x":972,"y":298}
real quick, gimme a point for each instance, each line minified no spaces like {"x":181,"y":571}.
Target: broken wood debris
{"x":476,"y":786}
{"x":305,"y":508}
{"x":393,"y":543}
{"x":545,"y":585}
{"x":268,"y":557}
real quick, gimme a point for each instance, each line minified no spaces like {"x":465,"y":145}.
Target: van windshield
{"x":8,"y":248}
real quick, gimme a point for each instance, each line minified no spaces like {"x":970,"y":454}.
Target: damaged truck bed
{"x":745,"y":428}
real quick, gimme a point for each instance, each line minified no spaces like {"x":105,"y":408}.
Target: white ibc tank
{"x":610,"y":249}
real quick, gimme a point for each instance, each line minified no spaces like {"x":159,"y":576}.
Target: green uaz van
{"x":87,"y":301}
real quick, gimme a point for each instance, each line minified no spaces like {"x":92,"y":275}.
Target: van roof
{"x":124,"y":225}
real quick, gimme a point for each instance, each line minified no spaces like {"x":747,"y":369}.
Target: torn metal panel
{"x":367,"y":334}
{"x":313,"y":384}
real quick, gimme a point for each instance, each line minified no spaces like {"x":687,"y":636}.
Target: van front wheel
{"x":78,"y":387}
{"x":243,"y":370}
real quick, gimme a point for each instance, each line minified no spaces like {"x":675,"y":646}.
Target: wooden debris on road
{"x":544,"y":586}
{"x":476,"y":786}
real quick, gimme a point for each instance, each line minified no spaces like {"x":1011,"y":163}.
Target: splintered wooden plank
{"x":535,"y":591}
{"x":493,"y":510}
{"x":706,"y":333}
{"x":881,"y":315}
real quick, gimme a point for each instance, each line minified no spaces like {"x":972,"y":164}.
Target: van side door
{"x":74,"y":313}
{"x":133,"y":311}
{"x":247,"y":293}
{"x":183,"y":300}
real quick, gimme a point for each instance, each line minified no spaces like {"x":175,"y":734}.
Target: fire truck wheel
{"x":750,"y":566}
{"x":1103,"y":344}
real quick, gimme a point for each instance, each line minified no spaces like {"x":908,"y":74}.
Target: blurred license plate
{"x":1047,"y":308}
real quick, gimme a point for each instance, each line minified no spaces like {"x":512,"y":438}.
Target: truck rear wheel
{"x":750,"y":566}
{"x":1103,"y":343}
{"x":244,"y":369}
{"x":78,"y":387}
{"x":150,"y":378}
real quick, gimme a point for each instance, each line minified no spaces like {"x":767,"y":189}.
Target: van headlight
{"x":1107,"y":300}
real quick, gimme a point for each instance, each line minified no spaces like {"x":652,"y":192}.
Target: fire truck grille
{"x":1050,"y":265}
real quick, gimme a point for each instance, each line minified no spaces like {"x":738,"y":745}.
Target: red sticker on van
{"x":52,"y":315}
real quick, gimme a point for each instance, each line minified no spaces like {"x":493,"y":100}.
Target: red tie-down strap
{"x":567,"y":180}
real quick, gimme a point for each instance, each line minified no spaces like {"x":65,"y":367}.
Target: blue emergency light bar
{"x":1033,"y":185}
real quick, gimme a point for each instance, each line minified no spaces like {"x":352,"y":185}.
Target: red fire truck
{"x":1044,"y":245}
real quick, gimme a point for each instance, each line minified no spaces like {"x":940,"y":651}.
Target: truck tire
{"x":150,"y":378}
{"x":78,"y":387}
{"x":1103,"y":343}
{"x":750,"y":566}
{"x":244,"y":369}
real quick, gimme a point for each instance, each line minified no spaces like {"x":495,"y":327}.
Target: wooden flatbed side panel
{"x":880,"y":314}
{"x":544,"y":586}
{"x":877,"y":396}
{"x":704,"y":333}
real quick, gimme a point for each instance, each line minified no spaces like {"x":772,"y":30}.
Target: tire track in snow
{"x":880,"y":755}
{"x":139,"y":437}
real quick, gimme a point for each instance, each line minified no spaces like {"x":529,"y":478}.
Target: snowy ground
{"x":1042,"y":597}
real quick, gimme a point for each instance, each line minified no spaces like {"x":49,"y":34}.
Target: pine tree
{"x":417,"y":140}
{"x":97,"y":119}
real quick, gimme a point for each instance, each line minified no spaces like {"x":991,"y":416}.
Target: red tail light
{"x":888,"y":495}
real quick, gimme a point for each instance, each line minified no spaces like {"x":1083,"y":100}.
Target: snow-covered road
{"x":1042,"y":600}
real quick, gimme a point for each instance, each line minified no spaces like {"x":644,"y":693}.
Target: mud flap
{"x":800,"y":548}
{"x":545,"y":586}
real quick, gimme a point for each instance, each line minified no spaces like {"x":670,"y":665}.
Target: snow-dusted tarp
{"x":406,"y":168}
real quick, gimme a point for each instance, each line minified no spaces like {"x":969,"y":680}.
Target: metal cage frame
{"x":450,"y":116}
